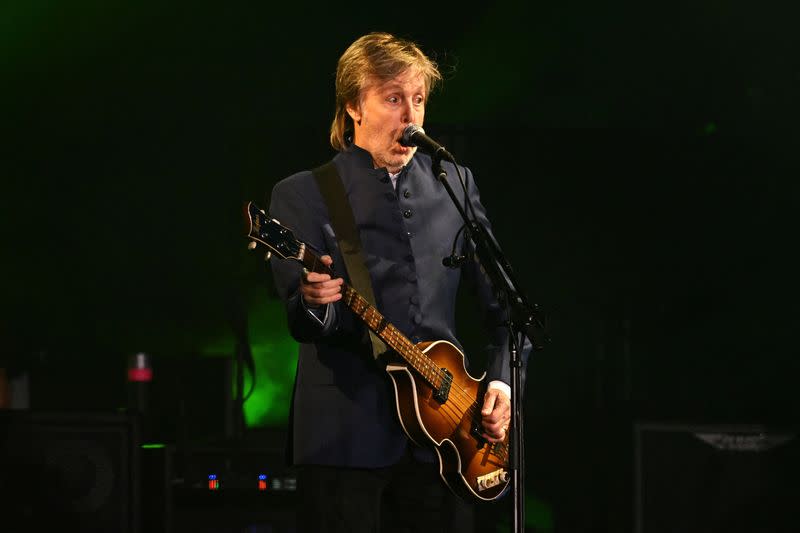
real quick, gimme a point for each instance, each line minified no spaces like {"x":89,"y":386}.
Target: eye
{"x":392,"y":99}
{"x":419,"y":100}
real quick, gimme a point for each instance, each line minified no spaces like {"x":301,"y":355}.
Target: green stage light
{"x":275,"y":360}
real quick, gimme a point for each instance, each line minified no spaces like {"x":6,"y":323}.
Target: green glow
{"x":275,"y":357}
{"x":538,"y":517}
{"x":153,"y":446}
{"x":538,"y":514}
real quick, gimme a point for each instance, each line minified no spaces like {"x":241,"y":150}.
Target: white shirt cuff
{"x":501,"y":386}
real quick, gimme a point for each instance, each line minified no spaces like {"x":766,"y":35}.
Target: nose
{"x":410,"y":114}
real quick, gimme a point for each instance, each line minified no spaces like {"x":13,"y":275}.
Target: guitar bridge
{"x":443,"y":392}
{"x":492,"y":479}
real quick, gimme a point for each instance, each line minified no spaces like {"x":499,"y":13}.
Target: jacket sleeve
{"x":288,"y":206}
{"x":494,"y":315}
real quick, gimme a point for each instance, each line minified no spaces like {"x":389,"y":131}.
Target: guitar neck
{"x":376,"y":322}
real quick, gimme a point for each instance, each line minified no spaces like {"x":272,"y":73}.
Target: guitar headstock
{"x":266,"y":231}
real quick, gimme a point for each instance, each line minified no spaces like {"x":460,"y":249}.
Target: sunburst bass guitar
{"x":438,"y":401}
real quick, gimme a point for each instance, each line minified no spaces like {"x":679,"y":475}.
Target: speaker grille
{"x":71,"y":472}
{"x":715,"y":479}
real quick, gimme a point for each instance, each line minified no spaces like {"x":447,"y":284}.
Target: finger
{"x":316,"y":301}
{"x":497,"y":430}
{"x":314,"y":277}
{"x":489,"y":401}
{"x":495,"y":424}
{"x":502,"y":405}
{"x":317,"y":293}
{"x":334,"y":285}
{"x":495,"y":437}
{"x":321,"y":290}
{"x":496,"y":408}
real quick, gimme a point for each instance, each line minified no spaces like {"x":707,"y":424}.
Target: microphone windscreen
{"x":408,"y":133}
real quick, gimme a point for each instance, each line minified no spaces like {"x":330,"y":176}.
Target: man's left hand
{"x":496,"y":415}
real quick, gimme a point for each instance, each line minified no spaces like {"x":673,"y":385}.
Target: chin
{"x":396,"y":162}
{"x":404,"y":159}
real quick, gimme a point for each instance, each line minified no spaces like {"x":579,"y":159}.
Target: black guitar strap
{"x":344,"y":226}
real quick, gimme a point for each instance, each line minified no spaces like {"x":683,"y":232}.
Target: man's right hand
{"x":319,"y":289}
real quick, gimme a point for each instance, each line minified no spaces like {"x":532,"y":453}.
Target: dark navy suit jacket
{"x":343,"y":409}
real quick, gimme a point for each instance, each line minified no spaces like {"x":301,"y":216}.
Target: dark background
{"x":638,"y":161}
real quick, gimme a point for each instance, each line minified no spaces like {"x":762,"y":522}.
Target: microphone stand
{"x":523,"y":321}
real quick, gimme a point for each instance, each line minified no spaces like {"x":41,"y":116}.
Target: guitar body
{"x":469,"y":465}
{"x":438,"y":402}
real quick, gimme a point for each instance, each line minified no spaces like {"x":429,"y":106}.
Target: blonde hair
{"x":375,"y":56}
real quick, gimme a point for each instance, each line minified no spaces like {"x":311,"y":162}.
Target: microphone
{"x":414,"y":135}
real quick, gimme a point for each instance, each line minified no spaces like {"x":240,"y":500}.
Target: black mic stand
{"x":522,"y":322}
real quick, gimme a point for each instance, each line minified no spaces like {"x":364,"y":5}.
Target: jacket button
{"x":407,"y":213}
{"x":406,"y":193}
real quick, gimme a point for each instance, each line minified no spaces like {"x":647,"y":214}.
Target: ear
{"x":355,"y":112}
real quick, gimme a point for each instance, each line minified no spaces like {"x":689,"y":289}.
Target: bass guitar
{"x":438,"y":401}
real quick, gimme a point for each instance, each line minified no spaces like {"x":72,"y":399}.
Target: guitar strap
{"x":344,"y":226}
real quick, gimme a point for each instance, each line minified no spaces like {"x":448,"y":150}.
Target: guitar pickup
{"x":492,"y":479}
{"x":443,"y":392}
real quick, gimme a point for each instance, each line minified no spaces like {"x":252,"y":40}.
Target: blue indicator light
{"x":262,"y":476}
{"x":212,"y":476}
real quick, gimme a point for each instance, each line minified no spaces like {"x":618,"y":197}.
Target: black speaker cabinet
{"x":68,"y":472}
{"x":731,"y":479}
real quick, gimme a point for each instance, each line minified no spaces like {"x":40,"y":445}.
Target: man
{"x":345,"y":436}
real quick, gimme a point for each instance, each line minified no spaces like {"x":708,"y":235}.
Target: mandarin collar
{"x":363,"y":160}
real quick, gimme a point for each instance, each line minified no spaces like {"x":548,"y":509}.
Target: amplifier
{"x":716,"y":478}
{"x":224,"y":487}
{"x":69,"y":471}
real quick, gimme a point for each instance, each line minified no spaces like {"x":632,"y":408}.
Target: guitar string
{"x":422,"y":359}
{"x":452,"y":415}
{"x":498,"y":449}
{"x":418,"y":358}
{"x":362,"y":308}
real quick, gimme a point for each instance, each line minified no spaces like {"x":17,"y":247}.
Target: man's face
{"x":384,"y":111}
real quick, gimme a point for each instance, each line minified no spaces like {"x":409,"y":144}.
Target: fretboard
{"x":375,"y":321}
{"x":393,"y":338}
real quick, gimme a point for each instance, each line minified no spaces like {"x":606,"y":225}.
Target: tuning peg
{"x":267,"y":256}
{"x":252,"y":245}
